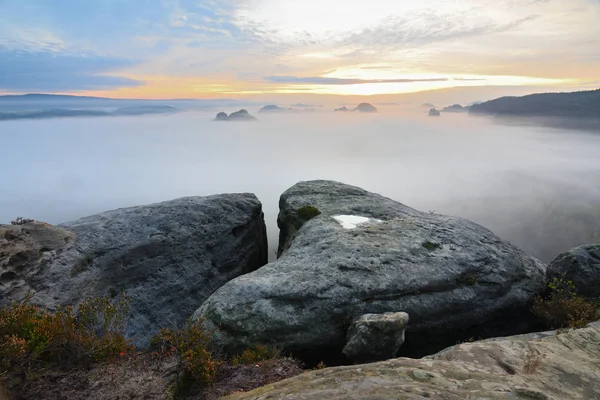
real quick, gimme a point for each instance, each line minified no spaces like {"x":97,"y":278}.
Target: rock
{"x":453,"y":277}
{"x":167,"y":257}
{"x":375,"y":337}
{"x":366,"y":107}
{"x":555,"y":367}
{"x":271,"y":108}
{"x":434,"y":113}
{"x":241,"y":115}
{"x":455,"y":108}
{"x":580,"y":265}
{"x":221,"y":116}
{"x":341,"y":109}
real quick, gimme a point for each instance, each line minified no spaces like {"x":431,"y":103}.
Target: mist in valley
{"x":535,"y":185}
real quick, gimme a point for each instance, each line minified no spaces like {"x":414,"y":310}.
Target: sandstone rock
{"x":241,"y":115}
{"x":271,"y":108}
{"x":168,"y":257}
{"x":221,"y":116}
{"x":375,"y":337}
{"x":453,"y":277}
{"x":366,"y":107}
{"x":580,"y":265}
{"x":553,"y":367}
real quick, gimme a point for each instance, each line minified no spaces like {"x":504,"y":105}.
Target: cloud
{"x":317,"y":80}
{"x":43,"y":69}
{"x":430,"y":28}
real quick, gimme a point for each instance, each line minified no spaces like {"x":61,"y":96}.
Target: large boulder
{"x":580,"y":265}
{"x":553,"y":366}
{"x":168,"y":257}
{"x":375,"y":337}
{"x":363,"y":253}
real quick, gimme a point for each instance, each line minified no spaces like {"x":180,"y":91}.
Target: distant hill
{"x":365,"y":107}
{"x":241,"y":115}
{"x":36,"y":105}
{"x":271,"y":108}
{"x":574,"y":104}
{"x":455,"y":108}
{"x":52,"y":114}
{"x":141,"y":110}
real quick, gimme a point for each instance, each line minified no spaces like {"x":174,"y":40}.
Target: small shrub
{"x":321,"y":365}
{"x":21,"y":221}
{"x":431,"y":246}
{"x":467,"y":279}
{"x":192,"y":346}
{"x":308,"y":212}
{"x":562,"y":307}
{"x":255,"y":355}
{"x":30,"y":335}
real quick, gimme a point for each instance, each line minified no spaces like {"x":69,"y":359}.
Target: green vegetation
{"x":467,"y":279}
{"x":562,"y":307}
{"x":431,"y":246}
{"x":255,"y":355}
{"x":308,"y":212}
{"x":191,"y":345}
{"x":33,"y":337}
{"x":37,"y":347}
{"x":21,"y":221}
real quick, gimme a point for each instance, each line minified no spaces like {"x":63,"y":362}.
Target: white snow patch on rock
{"x":352,"y":221}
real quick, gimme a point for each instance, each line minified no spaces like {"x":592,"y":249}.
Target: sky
{"x":297,"y":48}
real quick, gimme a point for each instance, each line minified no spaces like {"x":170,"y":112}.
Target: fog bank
{"x":535,"y":186}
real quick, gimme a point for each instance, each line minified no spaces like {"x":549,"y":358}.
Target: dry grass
{"x":146,"y":376}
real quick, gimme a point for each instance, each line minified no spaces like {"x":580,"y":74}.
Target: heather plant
{"x":255,"y":355}
{"x":562,"y":307}
{"x":31,"y":335}
{"x":191,"y":345}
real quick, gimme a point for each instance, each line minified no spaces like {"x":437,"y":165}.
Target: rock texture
{"x":167,"y":257}
{"x":375,"y":337}
{"x":453,"y":277}
{"x":541,"y":367}
{"x":580,"y":265}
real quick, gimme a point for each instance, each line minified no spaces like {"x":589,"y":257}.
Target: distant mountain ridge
{"x":584,"y":104}
{"x":39,"y":105}
{"x":48,"y":96}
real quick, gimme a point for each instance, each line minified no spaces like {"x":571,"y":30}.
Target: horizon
{"x":265,"y":50}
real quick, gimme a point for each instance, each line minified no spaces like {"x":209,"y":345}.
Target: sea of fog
{"x":536,"y":186}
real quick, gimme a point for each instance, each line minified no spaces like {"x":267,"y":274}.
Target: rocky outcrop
{"x":580,"y":265}
{"x":584,"y":104}
{"x":167,"y":257}
{"x":221,"y":116}
{"x":271,"y":108}
{"x":554,"y":366}
{"x":241,"y":115}
{"x":375,"y":337}
{"x":365,"y":107}
{"x":364,"y":253}
{"x":455,"y":108}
